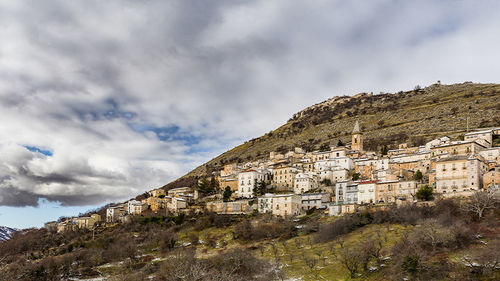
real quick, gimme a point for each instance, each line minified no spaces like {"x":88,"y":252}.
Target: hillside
{"x":412,"y":116}
{"x":6,"y":233}
{"x":440,"y":242}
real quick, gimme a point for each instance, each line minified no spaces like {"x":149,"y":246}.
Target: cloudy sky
{"x":102,"y":100}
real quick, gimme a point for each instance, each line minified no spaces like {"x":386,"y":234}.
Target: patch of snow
{"x":6,"y":233}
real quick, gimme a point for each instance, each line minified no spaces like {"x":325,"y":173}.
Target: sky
{"x":103,"y":100}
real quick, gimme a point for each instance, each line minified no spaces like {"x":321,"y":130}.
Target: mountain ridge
{"x":413,"y":116}
{"x":6,"y":233}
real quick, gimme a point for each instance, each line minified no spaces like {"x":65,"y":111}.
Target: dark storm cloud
{"x":128,"y":95}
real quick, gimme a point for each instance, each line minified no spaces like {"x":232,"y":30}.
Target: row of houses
{"x":171,"y":202}
{"x":74,"y":223}
{"x":438,"y":160}
{"x":451,"y":167}
{"x":276,"y":204}
{"x":336,"y":181}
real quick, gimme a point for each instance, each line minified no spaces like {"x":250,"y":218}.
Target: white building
{"x":376,"y":164}
{"x":285,"y":205}
{"x":176,"y":204}
{"x":483,"y":137}
{"x":351,"y":194}
{"x":346,"y":192}
{"x":334,"y":175}
{"x":334,"y":164}
{"x":406,"y":190}
{"x":247,"y":180}
{"x":136,"y":207}
{"x":437,"y":142}
{"x":491,"y":155}
{"x":366,"y":192}
{"x":314,"y":200}
{"x":305,"y":182}
{"x":265,"y":203}
{"x":113,"y":213}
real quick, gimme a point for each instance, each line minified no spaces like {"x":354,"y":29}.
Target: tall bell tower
{"x":357,"y":138}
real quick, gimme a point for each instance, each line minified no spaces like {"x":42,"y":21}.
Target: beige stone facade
{"x":459,"y":174}
{"x":87,"y":222}
{"x":285,"y":205}
{"x":284,"y":177}
{"x":492,"y":178}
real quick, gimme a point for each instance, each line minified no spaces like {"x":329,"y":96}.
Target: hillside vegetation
{"x":412,"y":116}
{"x":441,"y":242}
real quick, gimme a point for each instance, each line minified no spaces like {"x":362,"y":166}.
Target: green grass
{"x":292,"y":257}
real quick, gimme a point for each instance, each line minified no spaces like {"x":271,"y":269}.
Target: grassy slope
{"x":433,"y":111}
{"x":295,"y":267}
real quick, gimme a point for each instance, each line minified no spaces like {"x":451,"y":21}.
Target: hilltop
{"x":412,"y":116}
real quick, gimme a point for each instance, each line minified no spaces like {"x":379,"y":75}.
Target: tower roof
{"x":356,"y":130}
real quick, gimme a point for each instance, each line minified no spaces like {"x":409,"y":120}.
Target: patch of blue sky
{"x":112,"y":114}
{"x":36,"y":216}
{"x":46,"y":152}
{"x":169,"y":133}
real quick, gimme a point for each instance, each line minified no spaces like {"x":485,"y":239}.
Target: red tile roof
{"x":366,"y":182}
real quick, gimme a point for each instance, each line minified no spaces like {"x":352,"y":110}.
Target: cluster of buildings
{"x":344,"y":177}
{"x":337,"y":180}
{"x":158,"y":201}
{"x":74,"y":223}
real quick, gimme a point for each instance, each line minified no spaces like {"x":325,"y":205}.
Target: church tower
{"x":357,"y":138}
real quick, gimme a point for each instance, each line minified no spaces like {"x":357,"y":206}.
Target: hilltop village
{"x":334,"y":180}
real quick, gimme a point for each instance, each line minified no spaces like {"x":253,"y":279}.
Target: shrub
{"x":341,"y":226}
{"x":276,"y":228}
{"x":425,"y":193}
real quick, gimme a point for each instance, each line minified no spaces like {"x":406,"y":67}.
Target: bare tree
{"x":319,"y":253}
{"x":275,"y":251}
{"x":480,"y":202}
{"x":378,"y":244}
{"x":331,"y":246}
{"x":310,"y":242}
{"x":311,"y":262}
{"x":285,"y":246}
{"x":298,"y":242}
{"x":261,"y":249}
{"x":350,"y":257}
{"x":340,"y":241}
